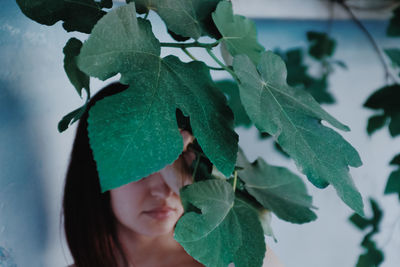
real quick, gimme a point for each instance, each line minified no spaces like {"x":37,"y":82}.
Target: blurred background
{"x":35,"y":94}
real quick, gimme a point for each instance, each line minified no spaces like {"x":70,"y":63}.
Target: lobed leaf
{"x":78,"y":15}
{"x":187,"y":18}
{"x":227,"y":229}
{"x":119,"y":125}
{"x":321,"y":45}
{"x":385,"y":99}
{"x":293,"y":118}
{"x":238,"y":33}
{"x":277,"y":189}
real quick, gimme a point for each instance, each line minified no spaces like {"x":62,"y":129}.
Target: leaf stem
{"x":195,"y":59}
{"x":235,"y":181}
{"x":222,"y":64}
{"x":193,"y":44}
{"x":145,"y":16}
{"x":184,"y":49}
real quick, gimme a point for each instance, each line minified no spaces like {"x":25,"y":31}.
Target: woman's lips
{"x":160,"y":213}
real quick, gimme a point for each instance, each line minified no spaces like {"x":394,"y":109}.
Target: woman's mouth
{"x":160,"y":213}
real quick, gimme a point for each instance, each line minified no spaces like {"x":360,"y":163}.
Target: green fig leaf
{"x":238,"y":33}
{"x":187,"y":18}
{"x":321,"y":45}
{"x":78,"y":79}
{"x":78,"y":15}
{"x":385,"y":99}
{"x":119,"y":125}
{"x":293,"y":118}
{"x":277,"y":189}
{"x":227,"y":226}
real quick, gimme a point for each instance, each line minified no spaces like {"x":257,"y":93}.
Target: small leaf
{"x":394,"y":55}
{"x":277,"y":189}
{"x":231,"y":89}
{"x":78,"y":79}
{"x":386,"y":98}
{"x":187,"y":18}
{"x":227,"y":227}
{"x":238,"y":33}
{"x":393,"y":29}
{"x":321,"y":45}
{"x":359,"y":221}
{"x":395,"y":160}
{"x":78,"y":15}
{"x":293,"y":118}
{"x":372,"y":258}
{"x":393,"y":183}
{"x":70,"y":118}
{"x":376,"y":122}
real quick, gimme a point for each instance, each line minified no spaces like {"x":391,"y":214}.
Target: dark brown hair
{"x":88,"y":219}
{"x":89,"y":222}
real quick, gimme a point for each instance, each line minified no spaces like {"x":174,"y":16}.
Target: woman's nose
{"x":159,"y":188}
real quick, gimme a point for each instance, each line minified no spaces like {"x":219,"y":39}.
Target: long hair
{"x":89,"y":222}
{"x":88,"y":219}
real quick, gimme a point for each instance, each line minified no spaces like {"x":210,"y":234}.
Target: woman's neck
{"x":141,"y":250}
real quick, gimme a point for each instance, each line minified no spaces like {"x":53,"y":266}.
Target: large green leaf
{"x":135,"y":133}
{"x":277,"y":189}
{"x":189,"y":18}
{"x":227,"y":229}
{"x":238,"y":33}
{"x":231,"y":89}
{"x":78,"y":79}
{"x":78,"y":15}
{"x":293,"y":118}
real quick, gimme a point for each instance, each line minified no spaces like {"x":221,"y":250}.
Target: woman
{"x":131,"y":225}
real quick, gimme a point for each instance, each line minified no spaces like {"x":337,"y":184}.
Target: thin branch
{"x":388,"y":74}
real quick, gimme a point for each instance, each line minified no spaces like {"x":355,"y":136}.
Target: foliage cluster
{"x":135,"y":133}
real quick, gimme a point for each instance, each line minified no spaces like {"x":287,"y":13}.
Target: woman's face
{"x":152,"y":206}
